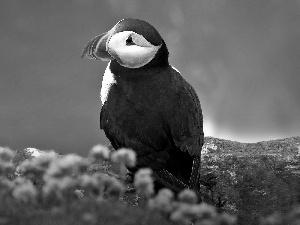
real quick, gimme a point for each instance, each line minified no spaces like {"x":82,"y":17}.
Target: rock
{"x":251,"y":179}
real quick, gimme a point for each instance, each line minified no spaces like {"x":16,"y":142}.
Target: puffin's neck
{"x":129,"y":74}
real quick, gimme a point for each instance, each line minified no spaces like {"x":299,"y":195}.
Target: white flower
{"x":57,"y":187}
{"x":19,"y":181}
{"x":79,"y":193}
{"x":124,"y":156}
{"x":112,"y":186}
{"x":145,"y":172}
{"x":5,"y":167}
{"x":6,"y":154}
{"x":204,"y":211}
{"x":6,"y":184}
{"x":89,"y":184}
{"x":228,"y":219}
{"x":28,"y":166}
{"x":180,"y":216}
{"x":38,"y":165}
{"x":25,"y":192}
{"x":162,"y":201}
{"x":89,"y":218}
{"x":99,"y":153}
{"x":45,"y":158}
{"x":143,"y":182}
{"x":186,"y":212}
{"x":67,"y":166}
{"x":188,"y":196}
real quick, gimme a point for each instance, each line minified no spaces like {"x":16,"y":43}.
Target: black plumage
{"x":154,"y":111}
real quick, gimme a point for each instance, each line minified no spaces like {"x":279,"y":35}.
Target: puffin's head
{"x":132,"y":43}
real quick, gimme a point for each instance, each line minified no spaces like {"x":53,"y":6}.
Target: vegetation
{"x":69,"y":189}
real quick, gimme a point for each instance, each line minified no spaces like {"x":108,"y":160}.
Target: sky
{"x":241,"y":57}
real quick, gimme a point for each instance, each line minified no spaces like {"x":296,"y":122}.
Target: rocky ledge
{"x":251,"y":179}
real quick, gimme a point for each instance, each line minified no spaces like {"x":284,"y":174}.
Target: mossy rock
{"x":251,"y":179}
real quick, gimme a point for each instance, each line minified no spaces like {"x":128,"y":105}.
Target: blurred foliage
{"x":257,"y":182}
{"x":69,"y":189}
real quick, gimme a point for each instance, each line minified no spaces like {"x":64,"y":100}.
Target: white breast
{"x":107,"y":82}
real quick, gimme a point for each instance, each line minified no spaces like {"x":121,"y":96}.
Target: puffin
{"x":148,"y":106}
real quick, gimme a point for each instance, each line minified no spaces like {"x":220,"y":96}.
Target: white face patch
{"x":135,"y":55}
{"x":107,"y":82}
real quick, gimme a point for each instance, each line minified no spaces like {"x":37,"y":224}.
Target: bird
{"x":148,"y":106}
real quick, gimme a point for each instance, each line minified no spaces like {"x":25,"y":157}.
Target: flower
{"x":162,"y":201}
{"x":19,"y":181}
{"x":45,"y":158}
{"x":25,"y":191}
{"x":89,"y":218}
{"x":28,"y":167}
{"x":124,"y":156}
{"x":143,"y":182}
{"x":112,"y":186}
{"x":6,"y":184}
{"x":180,"y":215}
{"x":277,"y":219}
{"x":58,"y":187}
{"x":67,"y":166}
{"x":186,"y":212}
{"x":87,"y":181}
{"x":5,"y":167}
{"x":207,"y":222}
{"x":6,"y":154}
{"x":228,"y":219}
{"x":90,"y":184}
{"x":79,"y":193}
{"x":188,"y":196}
{"x":99,"y":153}
{"x":204,"y":211}
{"x":38,"y":165}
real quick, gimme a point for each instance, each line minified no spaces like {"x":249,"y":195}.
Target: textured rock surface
{"x":251,"y":179}
{"x":280,"y":147}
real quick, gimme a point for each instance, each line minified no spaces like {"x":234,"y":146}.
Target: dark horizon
{"x":242,"y":58}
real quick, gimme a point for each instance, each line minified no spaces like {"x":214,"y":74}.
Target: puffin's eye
{"x":129,"y":41}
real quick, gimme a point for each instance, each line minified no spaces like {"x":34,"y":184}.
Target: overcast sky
{"x":242,"y":58}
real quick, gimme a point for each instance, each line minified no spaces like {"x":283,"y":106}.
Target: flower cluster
{"x":24,"y":190}
{"x":38,"y":165}
{"x":188,"y":196}
{"x":186,"y":209}
{"x":124,"y":157}
{"x":61,"y":177}
{"x":6,"y":156}
{"x":143,"y":182}
{"x":163,"y":201}
{"x":68,"y":165}
{"x":99,"y":153}
{"x":59,"y":188}
{"x":112,"y":187}
{"x":65,"y":178}
{"x":199,"y":214}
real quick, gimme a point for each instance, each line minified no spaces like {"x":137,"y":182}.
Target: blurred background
{"x":242,"y":58}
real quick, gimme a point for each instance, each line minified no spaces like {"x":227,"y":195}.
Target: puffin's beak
{"x":96,"y":48}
